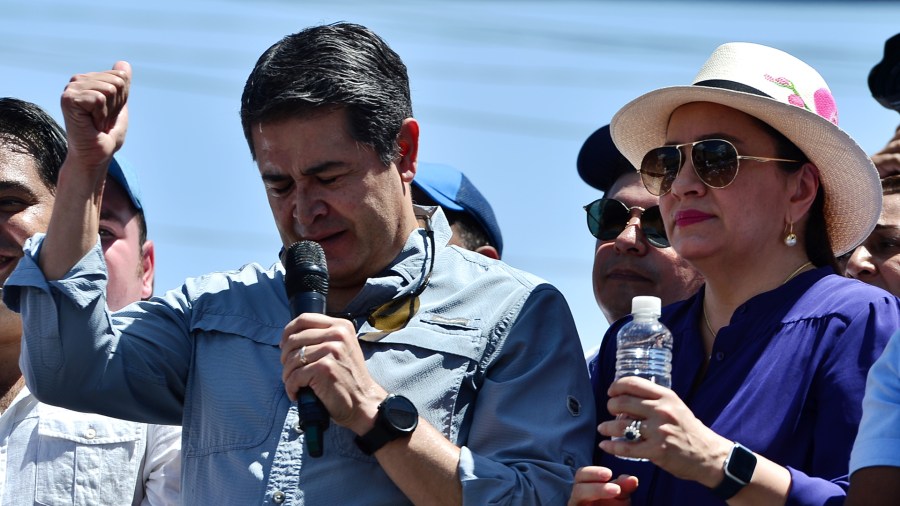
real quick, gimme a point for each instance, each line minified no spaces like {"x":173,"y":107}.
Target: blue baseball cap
{"x":452,"y":190}
{"x":122,"y":173}
{"x":600,"y":163}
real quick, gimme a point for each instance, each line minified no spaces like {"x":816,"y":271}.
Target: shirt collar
{"x":409,"y":268}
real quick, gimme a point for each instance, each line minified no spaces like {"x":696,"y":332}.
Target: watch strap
{"x":378,"y":436}
{"x":384,"y":429}
{"x":738,"y":467}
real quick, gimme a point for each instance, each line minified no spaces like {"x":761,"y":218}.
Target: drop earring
{"x":790,"y":240}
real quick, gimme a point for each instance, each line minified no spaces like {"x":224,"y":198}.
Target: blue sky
{"x":505,"y":91}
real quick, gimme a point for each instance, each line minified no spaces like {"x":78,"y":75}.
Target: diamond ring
{"x":633,"y":431}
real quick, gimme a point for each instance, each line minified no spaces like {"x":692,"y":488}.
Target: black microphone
{"x":306,"y":283}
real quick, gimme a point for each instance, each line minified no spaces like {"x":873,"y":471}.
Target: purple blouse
{"x":786,"y":379}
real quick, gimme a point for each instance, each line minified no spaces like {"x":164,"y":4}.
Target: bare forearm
{"x":874,"y":486}
{"x":96,"y":116}
{"x":770,"y":485}
{"x":424,"y":466}
{"x":74,"y":222}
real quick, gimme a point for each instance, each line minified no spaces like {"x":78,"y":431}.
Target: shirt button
{"x":298,"y":429}
{"x":90,"y":433}
{"x":278,"y":497}
{"x":720,"y":356}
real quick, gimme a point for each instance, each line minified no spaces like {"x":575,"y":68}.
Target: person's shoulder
{"x":840,"y":291}
{"x":249,"y":275}
{"x":90,"y":426}
{"x":253,"y":291}
{"x":837,"y":298}
{"x":471,"y":266}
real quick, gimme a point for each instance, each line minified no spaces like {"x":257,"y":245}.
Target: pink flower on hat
{"x":825,"y":105}
{"x":796,"y":100}
{"x":824,"y":102}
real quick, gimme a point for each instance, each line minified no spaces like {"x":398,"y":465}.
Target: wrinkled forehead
{"x":890,"y":210}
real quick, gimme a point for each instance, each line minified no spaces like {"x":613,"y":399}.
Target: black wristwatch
{"x":739,"y":467}
{"x":397,"y":417}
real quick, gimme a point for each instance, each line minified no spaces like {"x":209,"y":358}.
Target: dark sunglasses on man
{"x":715,"y":161}
{"x":607,"y":218}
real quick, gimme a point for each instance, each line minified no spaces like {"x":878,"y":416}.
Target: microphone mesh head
{"x":305,"y":269}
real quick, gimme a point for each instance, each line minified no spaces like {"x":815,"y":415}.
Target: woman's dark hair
{"x":25,"y":128}
{"x":818,"y":244}
{"x":337,"y":66}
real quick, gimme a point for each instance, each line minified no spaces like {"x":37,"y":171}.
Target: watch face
{"x":401,"y":413}
{"x":741,"y":463}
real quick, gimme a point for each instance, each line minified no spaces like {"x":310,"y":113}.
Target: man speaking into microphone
{"x":448,"y":377}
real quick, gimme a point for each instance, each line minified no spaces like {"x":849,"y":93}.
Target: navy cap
{"x":600,"y":163}
{"x":452,"y":190}
{"x":122,"y":173}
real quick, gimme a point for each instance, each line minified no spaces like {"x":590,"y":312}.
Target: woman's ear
{"x":805,"y":187}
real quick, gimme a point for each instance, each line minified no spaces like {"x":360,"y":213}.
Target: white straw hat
{"x":791,"y":97}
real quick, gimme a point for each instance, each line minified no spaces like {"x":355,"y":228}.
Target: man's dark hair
{"x":25,"y":128}
{"x":142,"y":227}
{"x":336,"y":66}
{"x":470,"y":232}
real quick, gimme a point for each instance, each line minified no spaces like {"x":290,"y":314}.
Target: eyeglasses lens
{"x":715,"y":163}
{"x":659,"y":168}
{"x":607,"y":218}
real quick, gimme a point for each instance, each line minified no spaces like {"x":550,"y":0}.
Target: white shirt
{"x":50,"y":455}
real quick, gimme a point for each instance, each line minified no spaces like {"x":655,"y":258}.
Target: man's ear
{"x":488,"y":251}
{"x":148,"y":265}
{"x":408,"y":141}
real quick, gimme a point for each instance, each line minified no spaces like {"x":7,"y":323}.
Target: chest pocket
{"x":235,"y":388}
{"x":433,"y":361}
{"x":87,"y":459}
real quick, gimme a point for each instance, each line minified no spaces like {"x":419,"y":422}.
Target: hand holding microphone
{"x":306,"y":283}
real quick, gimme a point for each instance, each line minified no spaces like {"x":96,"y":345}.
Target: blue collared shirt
{"x":489,"y":355}
{"x":786,"y":379}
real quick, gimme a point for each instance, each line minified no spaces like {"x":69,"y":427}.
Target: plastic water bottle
{"x":644,"y":347}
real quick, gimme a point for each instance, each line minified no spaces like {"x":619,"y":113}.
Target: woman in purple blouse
{"x":759,"y":189}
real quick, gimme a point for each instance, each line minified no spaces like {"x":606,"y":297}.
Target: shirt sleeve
{"x":878,"y":441}
{"x":838,"y":401}
{"x":533,"y":424}
{"x":162,"y":466}
{"x":132,"y":364}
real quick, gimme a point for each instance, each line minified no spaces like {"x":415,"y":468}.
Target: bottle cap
{"x":646,"y":304}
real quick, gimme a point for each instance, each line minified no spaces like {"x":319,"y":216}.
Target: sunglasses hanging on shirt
{"x":607,"y":218}
{"x":715,"y":161}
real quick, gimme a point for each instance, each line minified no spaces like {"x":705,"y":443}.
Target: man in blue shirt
{"x":632,"y":255}
{"x":448,"y":377}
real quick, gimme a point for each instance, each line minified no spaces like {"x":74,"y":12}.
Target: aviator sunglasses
{"x":715,"y":162}
{"x":607,"y":218}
